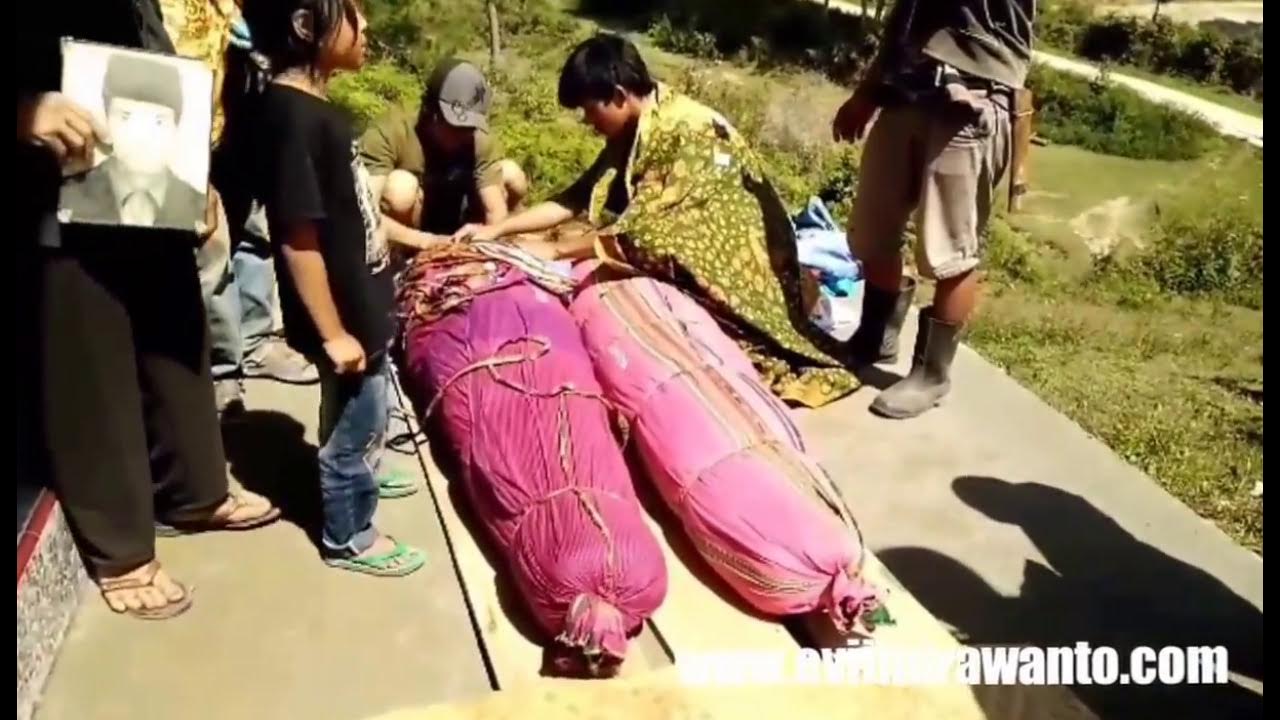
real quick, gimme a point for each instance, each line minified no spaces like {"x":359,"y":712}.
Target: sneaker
{"x":228,"y":395}
{"x":277,"y":361}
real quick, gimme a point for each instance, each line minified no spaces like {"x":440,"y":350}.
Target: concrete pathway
{"x":1231,"y":123}
{"x":274,"y":633}
{"x":1193,"y":12}
{"x":1013,"y":525}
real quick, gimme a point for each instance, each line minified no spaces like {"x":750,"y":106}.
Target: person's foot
{"x":385,"y":558}
{"x":145,"y":592}
{"x":277,"y":361}
{"x":396,"y":483}
{"x":228,"y":395}
{"x":241,"y":510}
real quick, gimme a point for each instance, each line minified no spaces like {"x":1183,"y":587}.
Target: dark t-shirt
{"x":310,"y":171}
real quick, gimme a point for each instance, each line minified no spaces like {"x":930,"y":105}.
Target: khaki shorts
{"x":945,"y":169}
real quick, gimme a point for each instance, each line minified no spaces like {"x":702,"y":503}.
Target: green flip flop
{"x":396,"y":483}
{"x":396,"y":563}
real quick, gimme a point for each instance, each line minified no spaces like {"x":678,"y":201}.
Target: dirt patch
{"x":1103,"y":226}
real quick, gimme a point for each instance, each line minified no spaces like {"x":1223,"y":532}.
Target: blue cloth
{"x":240,"y":310}
{"x":822,"y":244}
{"x":240,"y":36}
{"x":353,"y":426}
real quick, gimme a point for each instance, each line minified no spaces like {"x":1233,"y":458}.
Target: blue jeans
{"x":353,"y":425}
{"x":240,"y":309}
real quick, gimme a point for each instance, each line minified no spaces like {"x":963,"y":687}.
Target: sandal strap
{"x":146,"y":580}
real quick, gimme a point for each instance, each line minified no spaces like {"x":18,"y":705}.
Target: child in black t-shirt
{"x":337,"y":294}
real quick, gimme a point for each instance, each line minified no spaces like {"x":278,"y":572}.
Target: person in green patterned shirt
{"x":678,"y":194}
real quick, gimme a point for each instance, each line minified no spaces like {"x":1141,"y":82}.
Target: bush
{"x":1061,"y":24}
{"x":376,"y":87}
{"x":1204,"y":54}
{"x":552,"y":147}
{"x":1114,"y":38}
{"x":795,"y":33}
{"x":1114,"y":120}
{"x":683,"y":40}
{"x":1009,"y":255}
{"x":1218,"y":256}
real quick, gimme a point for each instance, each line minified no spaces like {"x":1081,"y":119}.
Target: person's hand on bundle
{"x":51,"y":120}
{"x":346,"y":353}
{"x":476,"y":232}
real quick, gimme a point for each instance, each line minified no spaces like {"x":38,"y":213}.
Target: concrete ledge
{"x":51,"y":578}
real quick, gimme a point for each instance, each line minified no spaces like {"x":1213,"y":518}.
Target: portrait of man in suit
{"x":136,"y":185}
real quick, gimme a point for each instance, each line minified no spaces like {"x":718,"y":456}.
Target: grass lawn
{"x":1172,"y":385}
{"x":1175,"y":388}
{"x":1073,"y":189}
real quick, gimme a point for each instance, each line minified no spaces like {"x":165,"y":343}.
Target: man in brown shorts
{"x":443,"y":169}
{"x":942,"y":84}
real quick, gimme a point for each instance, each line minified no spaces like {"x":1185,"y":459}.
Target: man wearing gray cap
{"x":445,"y":169}
{"x":135,"y":185}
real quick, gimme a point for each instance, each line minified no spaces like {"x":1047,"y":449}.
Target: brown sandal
{"x":213,"y":523}
{"x":171,"y":609}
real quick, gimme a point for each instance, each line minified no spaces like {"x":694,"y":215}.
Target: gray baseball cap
{"x":459,"y":90}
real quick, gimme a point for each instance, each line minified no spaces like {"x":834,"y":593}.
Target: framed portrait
{"x":152,"y":171}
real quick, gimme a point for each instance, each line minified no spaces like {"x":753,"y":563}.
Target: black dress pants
{"x":130,"y":423}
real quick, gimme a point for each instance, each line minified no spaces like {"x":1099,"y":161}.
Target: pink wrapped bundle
{"x":500,"y":362}
{"x":723,"y":451}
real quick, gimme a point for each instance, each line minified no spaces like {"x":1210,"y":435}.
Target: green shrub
{"x":1242,"y":67}
{"x":1219,"y":255}
{"x":376,"y":87}
{"x":1009,"y":254}
{"x":1061,"y":24}
{"x":1204,"y":54}
{"x":1216,"y":256}
{"x":771,"y":33}
{"x":1112,"y":38}
{"x":552,"y":147}
{"x":1115,"y":120}
{"x":683,"y":40}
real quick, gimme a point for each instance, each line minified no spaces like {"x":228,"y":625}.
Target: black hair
{"x":275,"y":39}
{"x":277,"y":48}
{"x":600,"y":65}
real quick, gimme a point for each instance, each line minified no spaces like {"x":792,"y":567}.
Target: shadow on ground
{"x":1102,"y":586}
{"x":269,"y":455}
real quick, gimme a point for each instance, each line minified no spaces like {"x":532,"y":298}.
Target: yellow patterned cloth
{"x":201,"y":29}
{"x":687,"y":201}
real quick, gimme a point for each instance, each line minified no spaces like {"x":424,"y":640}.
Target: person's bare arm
{"x":543,"y":216}
{"x":405,"y":236}
{"x":310,"y":277}
{"x":494,"y":201}
{"x":397,"y":232}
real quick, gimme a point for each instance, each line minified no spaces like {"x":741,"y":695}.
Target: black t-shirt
{"x":309,"y":170}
